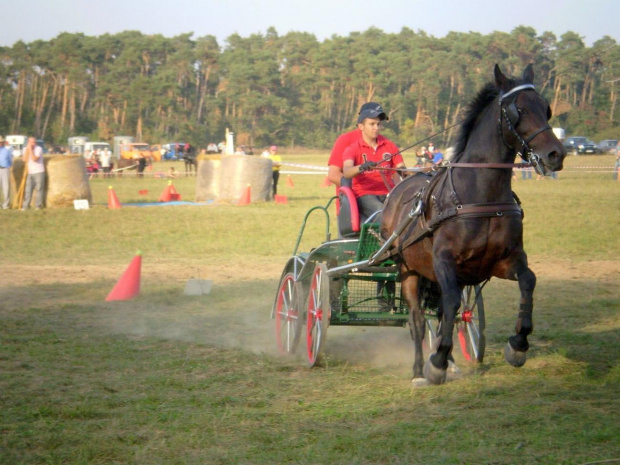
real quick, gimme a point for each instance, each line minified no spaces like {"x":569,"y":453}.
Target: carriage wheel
{"x":430,"y":333}
{"x":288,"y":315}
{"x":318,"y":314}
{"x":472,"y":324}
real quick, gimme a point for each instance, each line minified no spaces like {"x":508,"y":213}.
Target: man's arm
{"x":351,"y":170}
{"x":334,"y":175}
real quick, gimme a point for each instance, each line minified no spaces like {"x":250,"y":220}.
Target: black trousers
{"x":276,"y":177}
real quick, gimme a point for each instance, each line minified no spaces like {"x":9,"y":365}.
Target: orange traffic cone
{"x":174,"y":195}
{"x":289,"y":181}
{"x":169,"y":194}
{"x":113,"y":202}
{"x":280,"y":199}
{"x":246,"y":197}
{"x":326,"y":182}
{"x":128,"y":286}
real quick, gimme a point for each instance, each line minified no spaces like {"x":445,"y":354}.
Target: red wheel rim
{"x":286,"y":315}
{"x":314,"y":321}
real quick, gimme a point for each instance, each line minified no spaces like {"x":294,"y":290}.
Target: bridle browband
{"x":526,"y":151}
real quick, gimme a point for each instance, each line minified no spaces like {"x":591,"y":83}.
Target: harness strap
{"x":473,"y":210}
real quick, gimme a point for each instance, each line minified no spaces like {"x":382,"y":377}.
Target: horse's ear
{"x":528,"y":74}
{"x":501,"y":81}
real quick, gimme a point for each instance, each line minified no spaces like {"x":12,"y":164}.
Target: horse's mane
{"x":474,"y":109}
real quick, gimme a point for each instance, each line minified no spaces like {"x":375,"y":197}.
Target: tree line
{"x":291,"y":89}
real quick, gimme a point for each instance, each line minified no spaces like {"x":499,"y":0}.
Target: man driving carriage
{"x":371,"y":150}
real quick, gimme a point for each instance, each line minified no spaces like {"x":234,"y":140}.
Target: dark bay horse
{"x":471,"y":226}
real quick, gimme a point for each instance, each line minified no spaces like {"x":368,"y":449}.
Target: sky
{"x":30,"y":20}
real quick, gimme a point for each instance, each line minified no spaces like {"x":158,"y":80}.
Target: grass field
{"x":174,"y":379}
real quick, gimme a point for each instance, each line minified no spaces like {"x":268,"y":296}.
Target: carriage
{"x":339,"y":283}
{"x":449,"y":234}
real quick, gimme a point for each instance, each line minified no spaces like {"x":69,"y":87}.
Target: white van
{"x":18,"y":143}
{"x":91,"y":147}
{"x":76,"y":145}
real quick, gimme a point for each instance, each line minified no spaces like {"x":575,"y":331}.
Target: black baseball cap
{"x":372,"y":110}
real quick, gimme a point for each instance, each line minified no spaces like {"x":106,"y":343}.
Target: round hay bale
{"x":239,"y":171}
{"x":67,"y":180}
{"x":208,"y":180}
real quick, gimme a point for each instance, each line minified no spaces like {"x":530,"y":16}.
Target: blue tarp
{"x":164,"y":204}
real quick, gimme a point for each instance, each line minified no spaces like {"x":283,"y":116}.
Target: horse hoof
{"x":515,"y":357}
{"x":433,"y":374}
{"x":419,"y":382}
{"x":453,"y":368}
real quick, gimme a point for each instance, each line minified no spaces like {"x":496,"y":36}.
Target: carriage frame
{"x":341,"y":283}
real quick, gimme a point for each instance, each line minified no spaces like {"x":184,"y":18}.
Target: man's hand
{"x":367,"y":166}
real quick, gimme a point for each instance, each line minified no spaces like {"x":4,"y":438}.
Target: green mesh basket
{"x":369,"y":241}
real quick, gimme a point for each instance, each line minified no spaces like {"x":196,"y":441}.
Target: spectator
{"x":221,"y":147}
{"x":6,"y":161}
{"x":172,"y":174}
{"x":275,"y":171}
{"x":437,"y":156}
{"x":33,"y":159}
{"x":106,"y":162}
{"x":141,"y":165}
{"x":212,"y":148}
{"x":526,"y":171}
{"x":617,"y":166}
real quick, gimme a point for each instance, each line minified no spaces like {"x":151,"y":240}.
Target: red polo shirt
{"x":372,"y":182}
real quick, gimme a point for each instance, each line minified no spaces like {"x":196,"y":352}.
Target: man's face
{"x":370,"y":127}
{"x":31,"y":142}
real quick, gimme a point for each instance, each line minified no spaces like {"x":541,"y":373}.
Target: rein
{"x":436,"y":168}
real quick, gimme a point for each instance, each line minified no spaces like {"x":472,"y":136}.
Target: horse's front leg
{"x":518,"y":344}
{"x":409,"y":289}
{"x":435,"y":367}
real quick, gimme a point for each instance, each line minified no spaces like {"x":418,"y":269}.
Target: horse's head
{"x":523,"y":120}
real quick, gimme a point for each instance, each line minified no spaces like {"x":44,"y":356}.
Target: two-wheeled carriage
{"x":338,"y":283}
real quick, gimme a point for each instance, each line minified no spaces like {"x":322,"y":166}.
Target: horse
{"x":465,"y":223}
{"x":189,"y":158}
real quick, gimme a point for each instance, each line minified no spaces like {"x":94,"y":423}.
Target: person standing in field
{"x":106,"y":159}
{"x":275,"y":171}
{"x":6,"y":161}
{"x":35,"y":181}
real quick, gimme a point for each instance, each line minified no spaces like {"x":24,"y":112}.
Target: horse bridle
{"x":512,"y":115}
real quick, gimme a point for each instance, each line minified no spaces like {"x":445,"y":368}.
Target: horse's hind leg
{"x":409,"y":286}
{"x":518,"y":345}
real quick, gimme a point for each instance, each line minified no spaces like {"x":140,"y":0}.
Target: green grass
{"x":172,"y":379}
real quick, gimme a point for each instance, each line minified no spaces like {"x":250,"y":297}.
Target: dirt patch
{"x":22,"y":275}
{"x":597,"y":270}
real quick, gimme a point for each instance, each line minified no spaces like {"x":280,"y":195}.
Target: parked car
{"x":580,"y":146}
{"x":608,"y":146}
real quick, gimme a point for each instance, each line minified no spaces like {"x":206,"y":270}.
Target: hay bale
{"x":67,"y":180}
{"x":208,"y":179}
{"x":239,"y":171}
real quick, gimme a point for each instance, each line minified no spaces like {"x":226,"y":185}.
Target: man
{"x":334,"y":173}
{"x":33,"y":159}
{"x":437,"y":156}
{"x":6,"y":161}
{"x":275,"y":160}
{"x":371,"y":150}
{"x":106,"y":162}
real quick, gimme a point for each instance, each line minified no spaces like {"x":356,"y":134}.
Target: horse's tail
{"x":429,"y":294}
